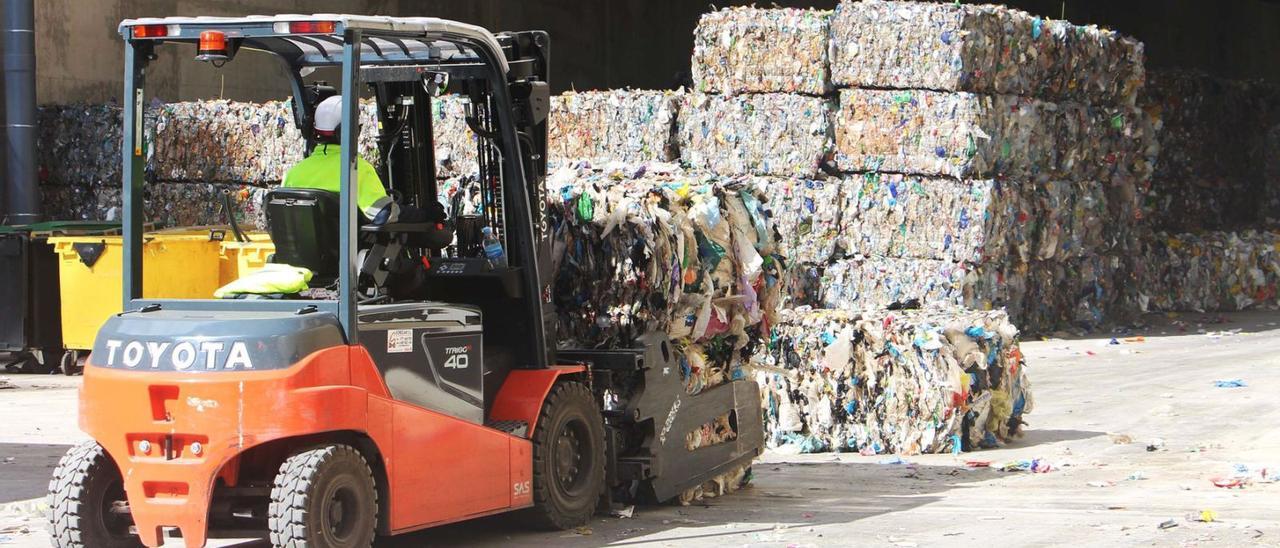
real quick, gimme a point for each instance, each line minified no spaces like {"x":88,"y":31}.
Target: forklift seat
{"x":303,"y":223}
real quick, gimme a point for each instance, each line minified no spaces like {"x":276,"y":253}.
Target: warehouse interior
{"x":1008,"y":260}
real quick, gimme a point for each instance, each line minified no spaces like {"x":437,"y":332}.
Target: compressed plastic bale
{"x":223,"y":141}
{"x":188,"y":204}
{"x":982,"y":49}
{"x":807,"y":215}
{"x":1095,"y":65}
{"x":961,"y":135}
{"x":904,"y":382}
{"x":617,"y":125}
{"x":762,"y":134}
{"x":914,"y":131}
{"x":78,"y":144}
{"x":754,"y":50}
{"x":687,"y":254}
{"x":865,"y":283}
{"x":913,"y":45}
{"x":905,"y":216}
{"x":1210,"y":271}
{"x":456,"y":146}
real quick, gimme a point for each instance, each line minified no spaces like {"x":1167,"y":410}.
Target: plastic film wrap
{"x":762,"y":134}
{"x":616,"y":125}
{"x":893,"y":382}
{"x":753,"y":50}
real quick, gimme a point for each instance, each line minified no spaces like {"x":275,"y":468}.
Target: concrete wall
{"x":80,"y":58}
{"x":596,"y":43}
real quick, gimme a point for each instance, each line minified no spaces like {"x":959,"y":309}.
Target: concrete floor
{"x":1098,"y":407}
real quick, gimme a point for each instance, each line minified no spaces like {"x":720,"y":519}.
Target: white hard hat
{"x":329,"y":114}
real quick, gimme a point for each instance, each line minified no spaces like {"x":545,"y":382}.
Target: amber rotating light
{"x":213,"y":48}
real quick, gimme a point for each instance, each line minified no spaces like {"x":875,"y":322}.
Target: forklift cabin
{"x":383,"y":405}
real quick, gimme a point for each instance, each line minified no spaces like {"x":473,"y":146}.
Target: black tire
{"x":71,"y":363}
{"x":323,"y":498}
{"x":568,"y":459}
{"x":84,"y":489}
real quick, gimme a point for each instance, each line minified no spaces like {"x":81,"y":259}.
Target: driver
{"x":322,"y":170}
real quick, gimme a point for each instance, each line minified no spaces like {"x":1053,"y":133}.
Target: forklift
{"x":420,"y":383}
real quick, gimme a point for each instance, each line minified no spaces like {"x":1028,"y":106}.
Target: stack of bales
{"x":837,"y":379}
{"x":1215,"y":191}
{"x":195,"y":151}
{"x":990,"y":158}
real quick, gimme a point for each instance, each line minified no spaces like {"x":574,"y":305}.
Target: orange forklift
{"x":415,"y":382}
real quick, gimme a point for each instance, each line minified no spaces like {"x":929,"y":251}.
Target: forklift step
{"x":515,"y":428}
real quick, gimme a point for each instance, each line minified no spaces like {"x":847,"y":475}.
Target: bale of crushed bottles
{"x":807,"y":214}
{"x":78,"y":144}
{"x":983,"y":49}
{"x":762,"y":134}
{"x":1209,"y":271}
{"x":219,"y":141}
{"x":973,"y":135}
{"x":615,"y":125}
{"x":757,"y":50}
{"x":904,"y":382}
{"x":658,"y":249}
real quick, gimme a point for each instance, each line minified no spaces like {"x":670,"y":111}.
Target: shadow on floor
{"x":27,"y":475}
{"x":790,"y":494}
{"x":1033,"y":436}
{"x":783,"y":495}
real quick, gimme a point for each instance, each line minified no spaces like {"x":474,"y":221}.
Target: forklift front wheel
{"x":71,"y":363}
{"x":87,"y":504}
{"x":568,"y":458}
{"x":324,"y":498}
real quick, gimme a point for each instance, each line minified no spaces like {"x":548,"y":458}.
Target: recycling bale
{"x":756,"y":134}
{"x":761,"y":50}
{"x":807,"y":215}
{"x":901,"y":382}
{"x":1210,"y":271}
{"x":982,"y":49}
{"x":633,"y":126}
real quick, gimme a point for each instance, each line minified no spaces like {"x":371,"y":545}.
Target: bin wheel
{"x":568,"y":459}
{"x":87,"y":503}
{"x":323,"y":498}
{"x":71,"y":363}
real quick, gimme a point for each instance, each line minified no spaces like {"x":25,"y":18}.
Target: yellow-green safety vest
{"x":323,"y":171}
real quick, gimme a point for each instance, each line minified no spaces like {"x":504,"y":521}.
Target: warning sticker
{"x":399,"y":341}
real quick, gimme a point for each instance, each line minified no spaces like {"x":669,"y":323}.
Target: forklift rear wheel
{"x":568,"y":458}
{"x":71,"y":363}
{"x":324,"y":497}
{"x":87,"y":504}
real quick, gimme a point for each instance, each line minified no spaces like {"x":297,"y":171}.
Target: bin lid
{"x":64,"y":227}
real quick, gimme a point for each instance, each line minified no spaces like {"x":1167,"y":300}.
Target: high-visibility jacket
{"x":323,"y":171}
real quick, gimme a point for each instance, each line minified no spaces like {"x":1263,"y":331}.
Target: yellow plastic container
{"x":242,"y":258}
{"x":175,"y":265}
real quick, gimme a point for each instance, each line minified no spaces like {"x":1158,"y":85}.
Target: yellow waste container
{"x":242,"y":258}
{"x":175,"y":265}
